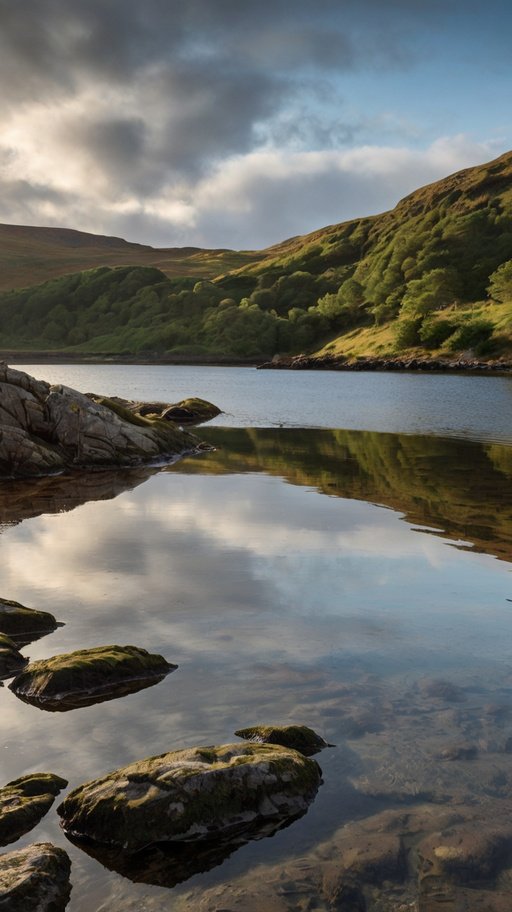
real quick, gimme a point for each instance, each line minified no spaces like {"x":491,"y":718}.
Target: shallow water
{"x":320,"y":577}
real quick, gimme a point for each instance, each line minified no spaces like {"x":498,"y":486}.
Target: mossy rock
{"x":191,"y":411}
{"x":11,"y":659}
{"x":88,"y":676}
{"x":35,"y":879}
{"x":23,"y":624}
{"x":24,"y":802}
{"x":298,"y":737}
{"x":192,"y":794}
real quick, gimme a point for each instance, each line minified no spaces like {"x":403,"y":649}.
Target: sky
{"x":217,"y":123}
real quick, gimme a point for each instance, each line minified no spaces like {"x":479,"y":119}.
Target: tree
{"x":500,"y":283}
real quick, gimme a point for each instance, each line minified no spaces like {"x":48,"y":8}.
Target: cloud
{"x":210,"y":122}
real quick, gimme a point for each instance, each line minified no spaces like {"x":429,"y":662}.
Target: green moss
{"x":87,"y":672}
{"x":196,"y":792}
{"x":24,"y":801}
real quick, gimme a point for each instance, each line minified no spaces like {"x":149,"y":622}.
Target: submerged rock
{"x":166,"y":864}
{"x":24,"y":801}
{"x":194,"y":794}
{"x":89,"y":676}
{"x":46,"y":429}
{"x":35,"y":879}
{"x":11,"y":659}
{"x":298,"y":737}
{"x":24,"y":625}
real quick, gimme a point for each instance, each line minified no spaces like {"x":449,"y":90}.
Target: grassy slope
{"x":29,"y":256}
{"x":462,"y":225}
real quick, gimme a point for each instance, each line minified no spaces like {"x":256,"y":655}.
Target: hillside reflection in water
{"x":279,"y":604}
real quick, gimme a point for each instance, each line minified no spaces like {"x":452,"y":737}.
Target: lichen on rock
{"x":192,"y":794}
{"x":24,"y":801}
{"x":87,"y":676}
{"x":35,"y":879}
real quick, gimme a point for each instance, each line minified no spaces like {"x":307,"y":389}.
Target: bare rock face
{"x":196,"y":794}
{"x":87,"y":676}
{"x":46,"y":429}
{"x":35,"y":879}
{"x":24,"y":802}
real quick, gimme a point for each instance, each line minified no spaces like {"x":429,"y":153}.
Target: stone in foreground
{"x":24,"y":802}
{"x":35,"y":879}
{"x":46,"y":429}
{"x":88,"y":676}
{"x":200,"y":793}
{"x":11,"y":659}
{"x":298,"y":737}
{"x":24,"y":624}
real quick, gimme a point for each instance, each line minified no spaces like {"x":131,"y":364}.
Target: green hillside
{"x":432,"y":276}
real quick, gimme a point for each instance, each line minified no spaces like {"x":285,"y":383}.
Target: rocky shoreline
{"x":462,"y":363}
{"x":48,"y":429}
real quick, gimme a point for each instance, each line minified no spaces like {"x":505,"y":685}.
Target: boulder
{"x":23,"y":625}
{"x":46,"y":429}
{"x":201,"y":793}
{"x":35,"y":879}
{"x":24,"y":801}
{"x":11,"y":659}
{"x":88,"y":676}
{"x":298,"y":737}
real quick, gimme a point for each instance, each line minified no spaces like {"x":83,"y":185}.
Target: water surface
{"x":320,"y":577}
{"x":454,"y":405}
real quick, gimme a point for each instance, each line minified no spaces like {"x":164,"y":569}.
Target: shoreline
{"x":408,"y":365}
{"x":462,"y":364}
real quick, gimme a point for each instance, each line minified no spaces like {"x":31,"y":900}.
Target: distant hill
{"x":432,"y":276}
{"x":29,"y":256}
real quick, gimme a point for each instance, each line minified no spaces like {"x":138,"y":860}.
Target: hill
{"x":30,"y":256}
{"x":432,"y":276}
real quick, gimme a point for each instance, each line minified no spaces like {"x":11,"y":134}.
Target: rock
{"x":464,"y":751}
{"x":166,"y":864}
{"x":35,"y":879}
{"x":47,"y":429}
{"x":88,"y":676}
{"x":298,"y":737}
{"x":188,"y":411}
{"x":199,"y":793}
{"x":24,"y":801}
{"x":11,"y":659}
{"x":23,"y":625}
{"x":437,"y":689}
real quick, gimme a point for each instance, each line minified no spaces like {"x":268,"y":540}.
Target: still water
{"x":452,"y":405}
{"x":354,"y":581}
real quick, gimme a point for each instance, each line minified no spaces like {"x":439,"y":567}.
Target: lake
{"x":340,"y":559}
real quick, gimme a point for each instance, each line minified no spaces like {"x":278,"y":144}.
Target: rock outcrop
{"x":46,"y":429}
{"x":198,"y":794}
{"x":24,"y":802}
{"x":88,"y":676}
{"x":298,"y":737}
{"x":35,"y":879}
{"x":23,"y":625}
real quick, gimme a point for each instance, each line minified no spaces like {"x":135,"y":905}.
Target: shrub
{"x":470,"y":334}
